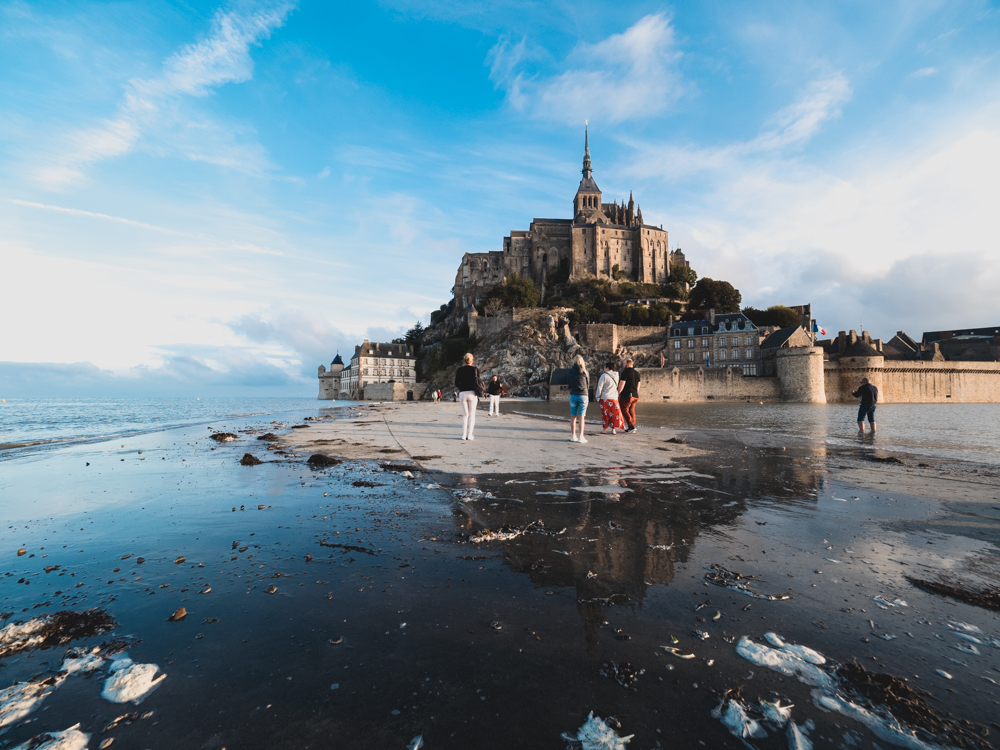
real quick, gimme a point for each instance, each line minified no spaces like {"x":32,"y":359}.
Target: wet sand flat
{"x":418,"y":589}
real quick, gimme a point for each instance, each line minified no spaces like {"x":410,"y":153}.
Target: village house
{"x":726,"y":340}
{"x":372,"y":363}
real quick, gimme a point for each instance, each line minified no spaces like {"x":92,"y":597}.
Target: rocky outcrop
{"x":525,"y":354}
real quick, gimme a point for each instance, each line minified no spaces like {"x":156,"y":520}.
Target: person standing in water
{"x":607,"y":397}
{"x":494,"y":388}
{"x":468,"y":384}
{"x":868,"y":394}
{"x":579,"y":395}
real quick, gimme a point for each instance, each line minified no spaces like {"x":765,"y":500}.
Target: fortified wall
{"x":607,"y":337}
{"x":394,"y":391}
{"x":914,"y":382}
{"x":484,"y":327}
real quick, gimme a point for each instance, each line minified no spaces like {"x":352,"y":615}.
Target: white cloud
{"x":905,"y":242}
{"x":923,"y":72}
{"x":798,"y":122}
{"x":626,"y":76}
{"x":194,"y":71}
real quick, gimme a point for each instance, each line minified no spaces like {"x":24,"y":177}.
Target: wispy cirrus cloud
{"x":194,"y":71}
{"x":627,"y":76}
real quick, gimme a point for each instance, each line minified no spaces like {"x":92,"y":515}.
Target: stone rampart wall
{"x":700,"y":384}
{"x":914,"y":382}
{"x":485,"y":327}
{"x":638,"y":335}
{"x":394,"y":391}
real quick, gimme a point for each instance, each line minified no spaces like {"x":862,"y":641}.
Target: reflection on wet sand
{"x":626,"y":527}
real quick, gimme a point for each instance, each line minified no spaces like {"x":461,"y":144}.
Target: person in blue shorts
{"x":868,"y":394}
{"x":579,"y":395}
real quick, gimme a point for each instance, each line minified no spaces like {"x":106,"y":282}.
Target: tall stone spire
{"x":586,"y":151}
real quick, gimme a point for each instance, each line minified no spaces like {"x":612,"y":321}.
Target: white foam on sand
{"x":130,"y":681}
{"x":734,"y":717}
{"x":23,"y":635}
{"x":797,"y":739}
{"x":69,"y":739}
{"x":801,"y":662}
{"x":595,"y":734}
{"x":883,"y":727}
{"x":21,"y":698}
{"x":785,"y":661}
{"x":803,"y":652}
{"x":776,"y":713}
{"x":81,"y":661}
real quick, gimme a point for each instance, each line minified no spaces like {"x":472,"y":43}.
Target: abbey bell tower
{"x":587,"y":204}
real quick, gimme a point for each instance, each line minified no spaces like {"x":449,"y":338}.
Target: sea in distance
{"x":375,"y":603}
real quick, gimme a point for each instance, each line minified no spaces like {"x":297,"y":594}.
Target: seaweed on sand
{"x":910,"y":706}
{"x":730,"y":579}
{"x":58,"y":629}
{"x":988,"y":598}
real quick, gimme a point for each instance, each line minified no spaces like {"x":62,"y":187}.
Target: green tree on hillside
{"x":721,"y":295}
{"x":776,"y":315}
{"x":514,"y":291}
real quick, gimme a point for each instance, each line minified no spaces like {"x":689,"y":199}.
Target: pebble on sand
{"x":179,"y":615}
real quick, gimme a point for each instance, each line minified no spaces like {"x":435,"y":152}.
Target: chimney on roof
{"x":711,"y":316}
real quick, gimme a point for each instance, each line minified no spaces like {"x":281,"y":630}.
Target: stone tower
{"x":587,"y":203}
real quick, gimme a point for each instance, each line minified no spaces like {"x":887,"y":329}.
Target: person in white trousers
{"x":494,"y":388}
{"x":467,"y":383}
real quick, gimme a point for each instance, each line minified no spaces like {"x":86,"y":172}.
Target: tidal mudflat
{"x":713,"y":591}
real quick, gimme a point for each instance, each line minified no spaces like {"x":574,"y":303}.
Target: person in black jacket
{"x":467,"y":382}
{"x":869,"y":397}
{"x":494,"y":388}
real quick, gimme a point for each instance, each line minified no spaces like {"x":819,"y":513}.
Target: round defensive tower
{"x":861,"y":360}
{"x":800,"y":370}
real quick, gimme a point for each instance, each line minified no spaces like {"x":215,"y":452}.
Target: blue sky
{"x":201,"y":199}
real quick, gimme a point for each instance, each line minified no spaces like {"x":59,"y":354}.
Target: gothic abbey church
{"x":599,"y":237}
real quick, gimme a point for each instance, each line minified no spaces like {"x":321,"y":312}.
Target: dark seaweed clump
{"x":909,"y":706}
{"x":319,"y":459}
{"x":365,"y":483}
{"x":223,"y":437}
{"x":64,"y":627}
{"x":267,"y":436}
{"x":249,"y":459}
{"x":987,"y":598}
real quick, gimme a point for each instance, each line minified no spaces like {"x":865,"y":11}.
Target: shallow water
{"x":964,"y":431}
{"x":37,"y":422}
{"x":493,"y":645}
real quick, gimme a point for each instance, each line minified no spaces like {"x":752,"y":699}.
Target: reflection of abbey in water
{"x":620,"y":542}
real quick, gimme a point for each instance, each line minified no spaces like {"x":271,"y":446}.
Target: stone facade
{"x":600,"y":237}
{"x":727,"y":340}
{"x":372,"y":363}
{"x":329,"y":381}
{"x":394,"y":391}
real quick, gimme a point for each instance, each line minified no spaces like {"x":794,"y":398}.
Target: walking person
{"x":628,"y":394}
{"x":494,"y":388}
{"x":607,"y":396}
{"x":579,"y":395}
{"x":868,"y":394}
{"x":469,"y":388}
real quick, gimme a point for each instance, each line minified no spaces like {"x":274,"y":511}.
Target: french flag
{"x":817,"y":329}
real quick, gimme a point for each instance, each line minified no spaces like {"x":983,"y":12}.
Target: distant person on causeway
{"x":607,"y":397}
{"x":579,"y":395}
{"x":469,"y":390}
{"x":494,"y":388}
{"x":868,"y":394}
{"x":628,"y":394}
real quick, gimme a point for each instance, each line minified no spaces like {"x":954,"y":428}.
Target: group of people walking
{"x":617,"y":394}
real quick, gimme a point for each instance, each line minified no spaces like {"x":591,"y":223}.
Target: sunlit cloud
{"x":193,"y":71}
{"x":626,"y":76}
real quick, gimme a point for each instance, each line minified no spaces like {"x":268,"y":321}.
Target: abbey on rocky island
{"x":599,"y":240}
